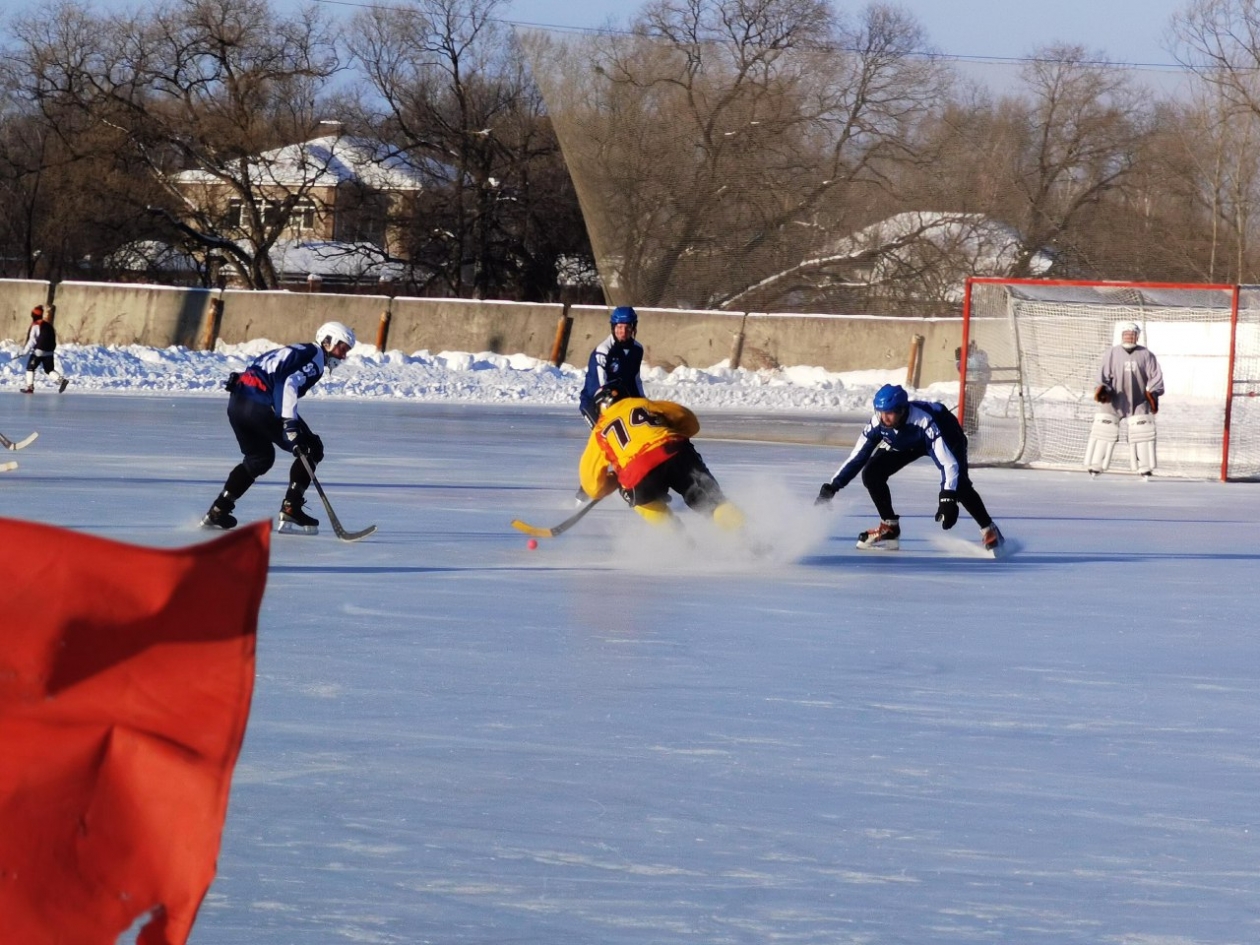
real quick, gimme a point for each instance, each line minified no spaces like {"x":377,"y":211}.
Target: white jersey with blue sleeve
{"x":920,"y":434}
{"x":286,"y":374}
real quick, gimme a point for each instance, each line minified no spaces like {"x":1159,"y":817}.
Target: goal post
{"x":1034,"y":347}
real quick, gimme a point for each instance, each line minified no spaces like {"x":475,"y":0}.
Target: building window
{"x":301,"y":219}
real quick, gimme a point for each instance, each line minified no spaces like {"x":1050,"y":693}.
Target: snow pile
{"x":457,"y":376}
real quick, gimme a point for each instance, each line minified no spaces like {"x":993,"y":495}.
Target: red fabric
{"x":125,"y":681}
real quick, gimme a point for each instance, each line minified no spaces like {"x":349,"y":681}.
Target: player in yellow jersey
{"x":643,"y":447}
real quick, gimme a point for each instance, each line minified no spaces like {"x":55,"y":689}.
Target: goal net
{"x":1035,"y":348}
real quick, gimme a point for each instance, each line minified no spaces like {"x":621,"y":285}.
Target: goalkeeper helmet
{"x":890,"y":397}
{"x":624,"y":315}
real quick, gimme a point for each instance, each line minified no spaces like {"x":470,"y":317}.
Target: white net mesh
{"x":1043,"y":342}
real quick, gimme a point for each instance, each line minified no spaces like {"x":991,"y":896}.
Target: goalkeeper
{"x":1130,"y":384}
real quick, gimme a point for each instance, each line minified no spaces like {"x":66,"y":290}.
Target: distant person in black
{"x":41,"y":342}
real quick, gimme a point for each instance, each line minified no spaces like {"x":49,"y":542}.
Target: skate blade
{"x":888,"y":544}
{"x":214,"y":526}
{"x":293,"y":528}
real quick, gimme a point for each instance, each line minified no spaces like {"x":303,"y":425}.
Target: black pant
{"x":883,"y":464}
{"x":686,"y":474}
{"x":258,"y":431}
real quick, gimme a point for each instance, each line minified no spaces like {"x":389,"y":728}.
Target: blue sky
{"x":1127,"y":30}
{"x":1131,"y":31}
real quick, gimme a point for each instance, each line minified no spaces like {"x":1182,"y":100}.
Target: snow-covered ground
{"x":630,"y":738}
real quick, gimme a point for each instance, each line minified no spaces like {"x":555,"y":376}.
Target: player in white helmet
{"x":263,"y":411}
{"x":1129,"y":386}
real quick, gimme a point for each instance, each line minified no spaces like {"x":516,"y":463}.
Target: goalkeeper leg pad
{"x":1142,"y":443}
{"x":1103,"y":436}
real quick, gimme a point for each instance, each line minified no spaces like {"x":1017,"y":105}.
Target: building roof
{"x":331,"y":160}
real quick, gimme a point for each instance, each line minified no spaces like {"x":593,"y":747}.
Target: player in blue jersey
{"x":263,"y":411}
{"x":617,"y":359}
{"x":901,"y":431}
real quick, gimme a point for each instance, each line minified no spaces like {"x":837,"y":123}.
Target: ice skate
{"x":293,"y":520}
{"x":219,"y":516}
{"x":28,"y":390}
{"x":883,"y":537}
{"x":992,"y":540}
{"x":61,"y":386}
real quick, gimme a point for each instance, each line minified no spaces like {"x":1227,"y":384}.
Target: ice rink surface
{"x":630,"y":738}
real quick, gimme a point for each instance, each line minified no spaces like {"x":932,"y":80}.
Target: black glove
{"x":1153,"y":400}
{"x":293,"y":438}
{"x":1103,"y":394}
{"x":826,"y":494}
{"x":947,"y":509}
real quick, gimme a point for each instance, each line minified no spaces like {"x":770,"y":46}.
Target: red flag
{"x":125,"y":680}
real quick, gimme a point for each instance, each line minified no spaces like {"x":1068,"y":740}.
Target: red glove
{"x":1153,"y":400}
{"x":1103,"y":394}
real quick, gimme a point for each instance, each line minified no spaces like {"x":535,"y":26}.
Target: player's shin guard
{"x":1142,"y":443}
{"x":657,"y":512}
{"x":728,"y":517}
{"x":1103,"y":436}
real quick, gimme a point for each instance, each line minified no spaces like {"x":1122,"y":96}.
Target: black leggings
{"x":686,"y":474}
{"x":258,"y":431}
{"x":883,"y":464}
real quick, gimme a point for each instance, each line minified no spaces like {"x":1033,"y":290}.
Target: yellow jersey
{"x":631,"y":438}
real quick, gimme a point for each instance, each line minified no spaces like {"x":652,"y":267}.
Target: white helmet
{"x":1126,"y":327}
{"x":328,"y":334}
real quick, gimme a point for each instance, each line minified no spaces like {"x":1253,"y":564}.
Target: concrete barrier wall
{"x":465,"y":325}
{"x":109,"y":314}
{"x":288,"y":317}
{"x":101,"y":313}
{"x":17,"y":298}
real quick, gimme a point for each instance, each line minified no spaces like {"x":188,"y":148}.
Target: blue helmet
{"x":624,"y":315}
{"x":890,"y":397}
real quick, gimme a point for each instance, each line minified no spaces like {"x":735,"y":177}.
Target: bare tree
{"x":193,"y":84}
{"x":457,"y":97}
{"x":1078,"y":129}
{"x":726,"y":140}
{"x":1219,"y":41}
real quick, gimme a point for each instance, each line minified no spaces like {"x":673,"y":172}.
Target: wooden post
{"x":560,"y":346}
{"x":210,"y":329}
{"x":737,"y":348}
{"x":382,"y":330}
{"x":914,"y":366}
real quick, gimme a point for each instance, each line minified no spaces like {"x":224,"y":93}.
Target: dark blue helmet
{"x":624,"y":315}
{"x":890,"y":397}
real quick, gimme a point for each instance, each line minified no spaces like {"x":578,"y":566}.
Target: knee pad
{"x":256,"y":464}
{"x":657,"y":512}
{"x":1103,"y":436}
{"x":1141,"y":430}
